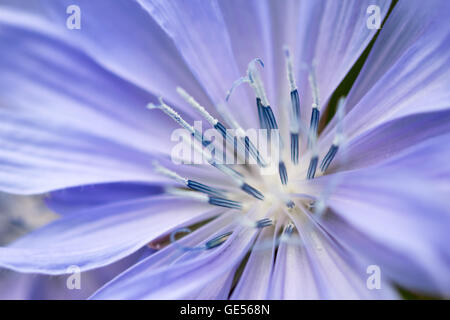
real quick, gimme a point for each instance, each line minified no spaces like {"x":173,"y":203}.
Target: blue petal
{"x":44,"y":287}
{"x":80,"y":120}
{"x":254,"y":281}
{"x":400,"y":209}
{"x":331,"y":272}
{"x":333,"y":34}
{"x":174,"y":274}
{"x":97,"y":237}
{"x":389,"y":140}
{"x":408,"y":69}
{"x":199,"y":32}
{"x":119,"y":36}
{"x":77,"y":199}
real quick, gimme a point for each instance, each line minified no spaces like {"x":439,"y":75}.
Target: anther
{"x":263,"y":223}
{"x":233,"y":174}
{"x":261,"y":117}
{"x":290,"y":204}
{"x":213,"y":243}
{"x":326,"y":161}
{"x":295,"y":108}
{"x":294,"y":148}
{"x":315,"y":115}
{"x":218,"y":126}
{"x":339,"y":136}
{"x":198,"y":186}
{"x":288,"y":230}
{"x":312,"y":167}
{"x":191,"y":184}
{"x":216,"y":201}
{"x":269,"y":118}
{"x":217,"y":241}
{"x":252,"y":191}
{"x":282,"y":172}
{"x":226,"y":203}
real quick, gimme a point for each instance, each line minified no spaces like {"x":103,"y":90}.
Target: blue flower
{"x":358,"y":207}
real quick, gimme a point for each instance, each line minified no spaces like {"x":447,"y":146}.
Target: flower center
{"x":253,"y":185}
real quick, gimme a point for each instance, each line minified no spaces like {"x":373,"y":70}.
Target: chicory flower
{"x":365,"y":194}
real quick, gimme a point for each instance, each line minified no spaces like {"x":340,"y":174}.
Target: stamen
{"x":283,"y":172}
{"x":264,"y":223}
{"x":198,"y":186}
{"x":326,"y":161}
{"x":295,"y":108}
{"x":217,"y":241}
{"x":315,"y":115}
{"x":269,"y":118}
{"x":312,"y":167}
{"x":294,"y":148}
{"x":233,"y":174}
{"x":218,"y":126}
{"x":169,"y":173}
{"x":213,"y":121}
{"x":189,"y":99}
{"x":236,"y":84}
{"x":245,"y":141}
{"x":262,"y":119}
{"x":187,"y":194}
{"x":217,"y":201}
{"x":288,"y":230}
{"x":289,"y":68}
{"x":194,"y":185}
{"x":174,"y":241}
{"x":255,"y":80}
{"x":265,"y":113}
{"x":254,"y":152}
{"x":337,"y":139}
{"x":226,"y":203}
{"x":252,"y":191}
{"x":287,"y":233}
{"x":173,"y":114}
{"x":213,"y":243}
{"x":290,"y":204}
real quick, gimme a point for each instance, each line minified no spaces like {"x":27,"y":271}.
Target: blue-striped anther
{"x":314,"y":123}
{"x":217,"y":241}
{"x":198,"y":186}
{"x":312,"y":167}
{"x":252,"y":191}
{"x":289,"y":229}
{"x":197,"y":135}
{"x":221,"y":128}
{"x":222,"y":202}
{"x":250,"y":147}
{"x":261,"y":117}
{"x":295,"y":101}
{"x":270,"y":118}
{"x":294,"y":148}
{"x":326,"y":161}
{"x":266,"y":222}
{"x":290,"y":204}
{"x":283,"y":172}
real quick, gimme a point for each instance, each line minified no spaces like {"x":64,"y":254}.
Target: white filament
{"x":289,"y":68}
{"x":173,"y":114}
{"x":169,"y":173}
{"x":189,"y":99}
